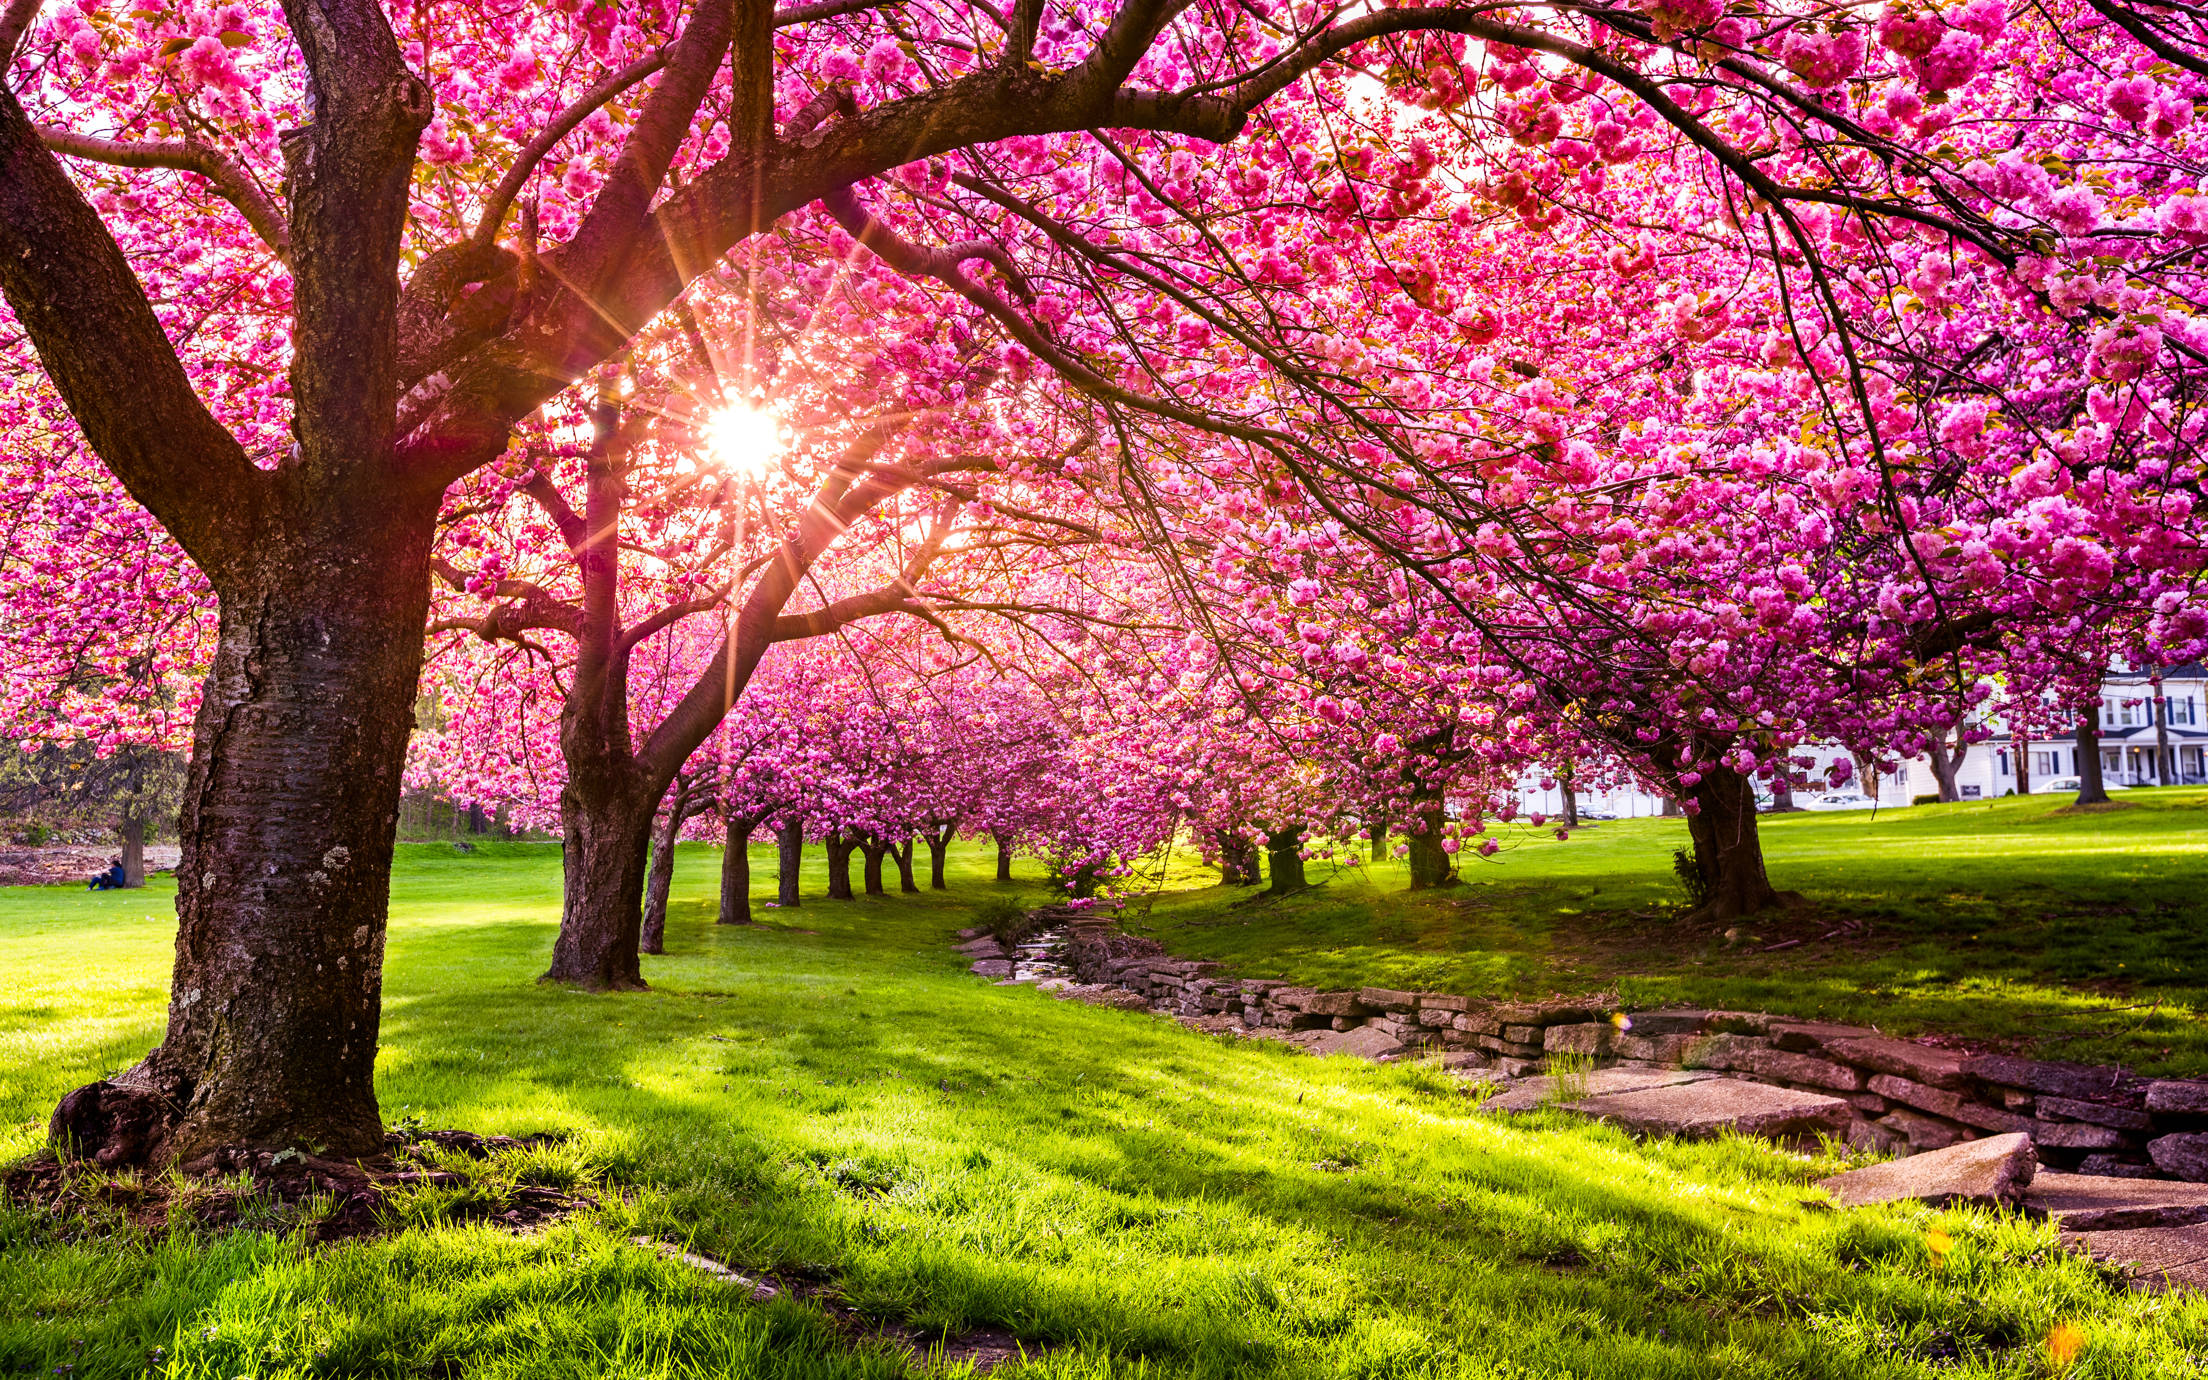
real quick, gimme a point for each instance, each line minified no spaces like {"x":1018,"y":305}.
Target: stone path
{"x":1688,"y":1103}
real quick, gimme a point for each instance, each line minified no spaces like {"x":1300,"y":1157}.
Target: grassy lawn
{"x":830,"y":1097}
{"x":2075,"y":936}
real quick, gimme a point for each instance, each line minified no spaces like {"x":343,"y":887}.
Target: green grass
{"x":2076,"y":936}
{"x":849,"y":1106}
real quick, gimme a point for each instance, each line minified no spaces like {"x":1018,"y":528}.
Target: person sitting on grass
{"x":108,"y":880}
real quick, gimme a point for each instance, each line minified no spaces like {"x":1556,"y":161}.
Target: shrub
{"x":1005,"y":918}
{"x":1690,"y":879}
{"x":1932,"y":799}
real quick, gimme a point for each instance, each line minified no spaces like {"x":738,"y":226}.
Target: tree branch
{"x":230,"y":180}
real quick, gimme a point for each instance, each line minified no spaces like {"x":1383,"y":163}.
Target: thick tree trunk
{"x":736,"y":873}
{"x":133,"y":832}
{"x":874,"y":850}
{"x":839,"y":865}
{"x":289,"y":810}
{"x":2164,"y":760}
{"x":1570,"y":809}
{"x":1671,"y":807}
{"x":660,"y":880}
{"x":789,"y":843}
{"x":1782,"y":792}
{"x":1944,"y":766}
{"x":601,"y":911}
{"x":1284,"y":859}
{"x":2092,"y":790}
{"x":1431,"y":864}
{"x":1003,"y":838}
{"x":1728,"y":854}
{"x":939,"y":852}
{"x":1238,"y":865}
{"x":903,"y":854}
{"x":1379,"y":831}
{"x":2023,"y":764}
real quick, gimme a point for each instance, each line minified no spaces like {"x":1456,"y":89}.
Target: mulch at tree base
{"x":280,"y":1189}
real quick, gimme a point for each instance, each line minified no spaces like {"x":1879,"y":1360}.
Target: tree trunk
{"x":1284,"y":857}
{"x":290,"y":806}
{"x":903,"y":854}
{"x":1728,"y":855}
{"x":1944,"y":766}
{"x":939,"y":852}
{"x":661,"y":878}
{"x":1379,"y":833}
{"x":736,"y":873}
{"x":1670,"y":807}
{"x":478,"y":822}
{"x":1003,"y":839}
{"x":133,"y":832}
{"x":1431,"y":865}
{"x":2092,"y":790}
{"x":789,"y":842}
{"x":2023,"y":764}
{"x":874,"y":849}
{"x":601,"y":910}
{"x":1782,"y":791}
{"x":839,"y":865}
{"x":1238,"y":864}
{"x":1570,"y":799}
{"x":2159,"y":707}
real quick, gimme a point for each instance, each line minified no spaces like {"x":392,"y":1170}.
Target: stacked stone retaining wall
{"x":1906,"y":1094}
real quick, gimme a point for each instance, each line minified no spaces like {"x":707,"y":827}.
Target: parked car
{"x":2069,"y":785}
{"x":1840,"y":800}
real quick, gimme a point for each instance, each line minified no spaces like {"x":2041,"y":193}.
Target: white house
{"x":2153,"y":731}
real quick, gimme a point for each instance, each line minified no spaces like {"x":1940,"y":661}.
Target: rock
{"x":1923,"y":1132}
{"x":1464,"y":1061}
{"x":1953,"y":1106}
{"x":1524,"y":1034}
{"x":1385,"y":999}
{"x":2098,"y":1113}
{"x":983,"y":948}
{"x":1590,"y":1038}
{"x":971,"y":934}
{"x":1443,"y":1001}
{"x":2116,"y":1167}
{"x":1940,"y":1068}
{"x":1984,"y":1173}
{"x":1517,"y":1068}
{"x":992,"y":968}
{"x":1293,"y":998}
{"x":1648,"y":1025}
{"x":2162,"y":1256}
{"x":2074,"y":1135}
{"x":1725,"y":1051}
{"x":2183,"y":1155}
{"x":1658,"y":1049}
{"x":1802,"y":1068}
{"x":1331,"y":1004}
{"x":2094,"y":1202}
{"x":1803,"y":1037}
{"x":1561,"y":1011}
{"x":1365,"y":1042}
{"x":1875,"y":1136}
{"x":1478,"y":1023}
{"x":1705,"y":1108}
{"x":1737,"y":1022}
{"x":2083,"y":1082}
{"x":2178,"y":1097}
{"x":1535,"y":1092}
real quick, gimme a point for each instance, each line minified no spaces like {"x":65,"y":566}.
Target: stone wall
{"x":1907,"y":1095}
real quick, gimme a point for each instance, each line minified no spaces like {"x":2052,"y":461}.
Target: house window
{"x":2046,"y":763}
{"x":2127,"y":714}
{"x":2001,"y":762}
{"x":2181,"y":709}
{"x":2108,"y":713}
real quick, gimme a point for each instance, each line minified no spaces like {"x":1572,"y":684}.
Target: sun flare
{"x":746,"y":440}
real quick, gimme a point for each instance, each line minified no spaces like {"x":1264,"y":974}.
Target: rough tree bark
{"x":1570,"y":798}
{"x":939,"y":834}
{"x":2092,"y":789}
{"x":789,"y":843}
{"x":839,"y":845}
{"x":1431,"y":865}
{"x":736,"y":871}
{"x":1946,"y":758}
{"x":2164,"y":760}
{"x":874,"y":849}
{"x":1238,"y":864}
{"x":1003,"y":839}
{"x":1728,"y":854}
{"x":2023,"y":763}
{"x":133,"y":833}
{"x":1379,"y":833}
{"x":902,"y":852}
{"x":1284,"y":860}
{"x":321,"y":569}
{"x":659,"y":879}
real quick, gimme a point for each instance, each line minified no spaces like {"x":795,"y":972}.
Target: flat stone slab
{"x":1713,"y":1106}
{"x":1364,"y":1042}
{"x":2162,"y":1257}
{"x":1982,"y":1172}
{"x":2096,"y":1203}
{"x":1536,"y":1092}
{"x":992,"y":968}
